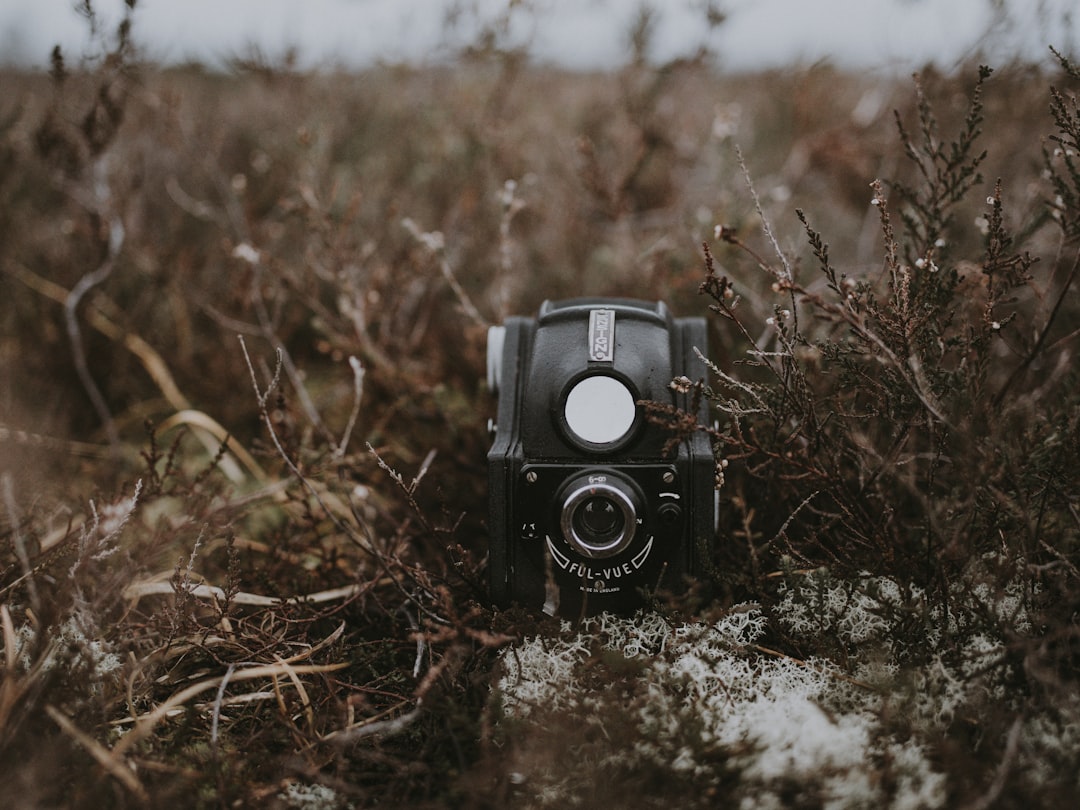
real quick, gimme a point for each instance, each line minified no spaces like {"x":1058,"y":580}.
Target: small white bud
{"x":246,"y":252}
{"x":506,"y":196}
{"x":433,"y":241}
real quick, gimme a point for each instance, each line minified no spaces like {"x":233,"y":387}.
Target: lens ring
{"x":598,"y":540}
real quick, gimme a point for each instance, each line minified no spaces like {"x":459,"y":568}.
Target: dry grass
{"x":240,"y":572}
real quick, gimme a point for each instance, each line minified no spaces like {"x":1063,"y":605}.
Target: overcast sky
{"x":891,"y":34}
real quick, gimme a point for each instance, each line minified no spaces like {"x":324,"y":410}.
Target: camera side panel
{"x":505,"y":456}
{"x":700,"y":460}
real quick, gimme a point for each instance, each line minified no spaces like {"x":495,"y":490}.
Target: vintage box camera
{"x":587,"y":512}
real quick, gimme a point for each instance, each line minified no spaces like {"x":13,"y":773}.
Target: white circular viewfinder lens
{"x":600,"y":409}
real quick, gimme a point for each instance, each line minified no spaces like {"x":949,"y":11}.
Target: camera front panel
{"x":602,"y":535}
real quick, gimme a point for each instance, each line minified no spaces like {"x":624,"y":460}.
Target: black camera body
{"x":587,"y":512}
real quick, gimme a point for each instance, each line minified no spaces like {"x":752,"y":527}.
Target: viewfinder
{"x":600,"y":410}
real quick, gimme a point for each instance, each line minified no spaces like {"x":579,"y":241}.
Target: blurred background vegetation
{"x":242,"y":408}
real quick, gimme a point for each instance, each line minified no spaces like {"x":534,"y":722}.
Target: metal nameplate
{"x":602,"y":335}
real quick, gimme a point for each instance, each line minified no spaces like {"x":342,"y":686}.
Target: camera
{"x":592,"y":506}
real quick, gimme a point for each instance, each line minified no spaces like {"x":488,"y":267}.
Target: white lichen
{"x":705,"y":694}
{"x":702,"y":700}
{"x":312,"y":797}
{"x":69,"y":646}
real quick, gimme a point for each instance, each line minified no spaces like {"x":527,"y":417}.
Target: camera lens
{"x":599,"y":514}
{"x":599,"y":517}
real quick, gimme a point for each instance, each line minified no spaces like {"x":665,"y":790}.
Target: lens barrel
{"x":599,"y":514}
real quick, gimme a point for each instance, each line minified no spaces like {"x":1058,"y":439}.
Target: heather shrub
{"x":908,"y":428}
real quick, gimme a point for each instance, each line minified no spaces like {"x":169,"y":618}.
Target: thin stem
{"x":75,"y":337}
